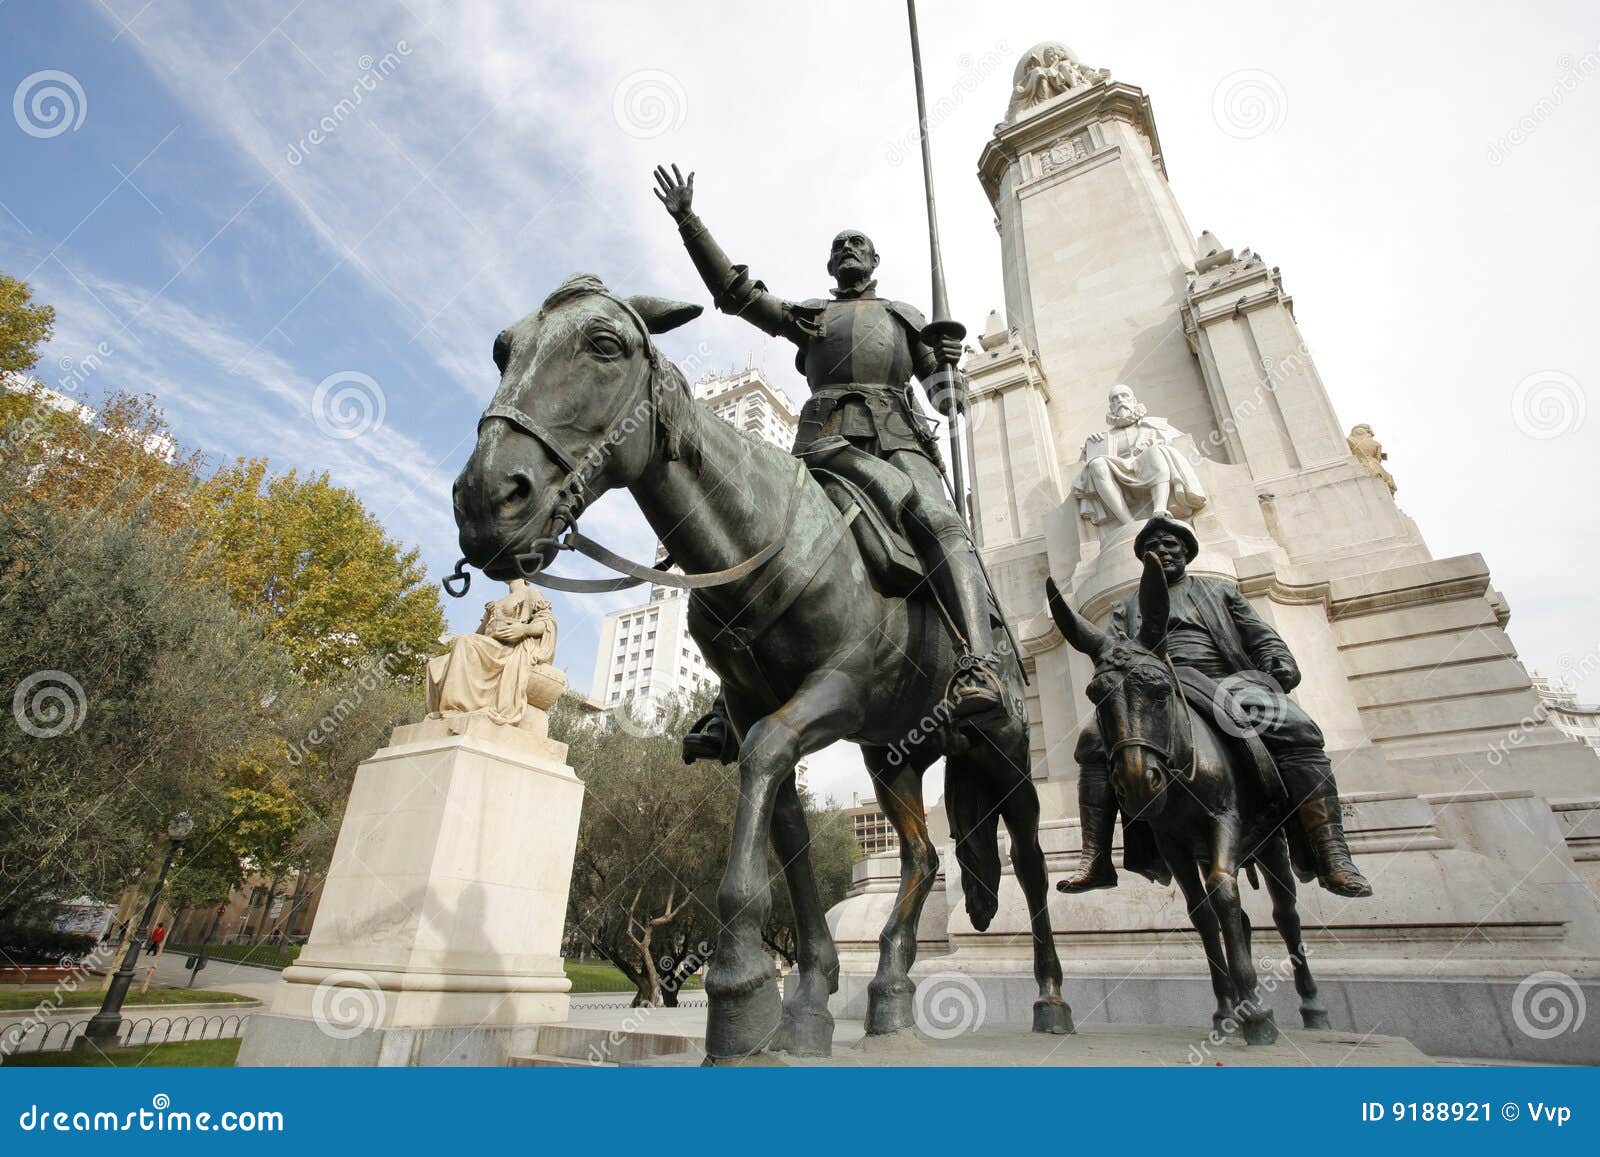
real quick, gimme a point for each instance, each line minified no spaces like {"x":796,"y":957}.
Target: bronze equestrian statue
{"x":1214,"y":633}
{"x":1213,"y":806}
{"x":809,"y":650}
{"x":858,"y":353}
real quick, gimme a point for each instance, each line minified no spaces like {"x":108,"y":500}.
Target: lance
{"x":947,"y":384}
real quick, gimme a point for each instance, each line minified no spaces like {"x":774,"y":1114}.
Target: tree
{"x":135,"y":693}
{"x":122,"y":458}
{"x":652,"y":845}
{"x":24,"y":327}
{"x":311,"y":563}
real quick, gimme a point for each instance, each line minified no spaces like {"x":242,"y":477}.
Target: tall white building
{"x":1560,"y":705}
{"x":645,"y":651}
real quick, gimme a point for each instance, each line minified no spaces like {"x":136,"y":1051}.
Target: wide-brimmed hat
{"x":1181,"y":530}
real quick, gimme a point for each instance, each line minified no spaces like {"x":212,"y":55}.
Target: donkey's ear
{"x":1077,"y":630}
{"x":662,"y":313}
{"x":1154,"y":603}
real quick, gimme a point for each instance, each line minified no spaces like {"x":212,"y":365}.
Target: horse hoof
{"x":1260,"y":1031}
{"x":805,"y":1034}
{"x":1224,"y":1025}
{"x":1053,"y":1017}
{"x":743,"y":1024}
{"x":890,"y":1010}
{"x":1314,"y":1018}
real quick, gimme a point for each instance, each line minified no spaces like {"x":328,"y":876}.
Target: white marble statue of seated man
{"x":491,"y":671}
{"x":1133,"y":461}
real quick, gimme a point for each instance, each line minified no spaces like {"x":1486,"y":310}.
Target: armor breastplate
{"x":861,"y":343}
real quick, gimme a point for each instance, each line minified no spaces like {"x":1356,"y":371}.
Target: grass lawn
{"x":195,"y":1053}
{"x":599,"y":976}
{"x":24,"y":999}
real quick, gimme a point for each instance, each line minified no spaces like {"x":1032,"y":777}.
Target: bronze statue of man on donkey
{"x":1231,"y":659}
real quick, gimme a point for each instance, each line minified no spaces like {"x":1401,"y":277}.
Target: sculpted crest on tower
{"x":1046,"y":71}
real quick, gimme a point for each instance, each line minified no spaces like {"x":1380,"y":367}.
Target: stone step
{"x":588,"y":1045}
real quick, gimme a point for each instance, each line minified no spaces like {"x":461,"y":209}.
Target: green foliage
{"x":256,"y":955}
{"x":655,"y":832}
{"x":180,"y":1054}
{"x":40,"y":944}
{"x":142,"y":691}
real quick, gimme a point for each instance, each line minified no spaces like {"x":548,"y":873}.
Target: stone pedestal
{"x":438,"y":938}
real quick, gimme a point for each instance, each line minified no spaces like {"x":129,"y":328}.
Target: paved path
{"x":219,"y":975}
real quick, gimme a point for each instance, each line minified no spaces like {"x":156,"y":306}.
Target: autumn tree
{"x":308,"y":561}
{"x":24,"y":326}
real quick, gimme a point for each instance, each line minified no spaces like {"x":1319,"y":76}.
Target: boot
{"x":1319,"y":817}
{"x":1098,"y":813}
{"x":976,"y":690}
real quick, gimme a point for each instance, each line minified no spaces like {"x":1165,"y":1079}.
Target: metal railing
{"x":58,"y":1034}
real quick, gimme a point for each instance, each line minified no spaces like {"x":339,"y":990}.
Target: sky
{"x":301,"y":224}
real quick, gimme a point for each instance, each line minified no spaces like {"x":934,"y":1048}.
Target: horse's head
{"x":584,"y":405}
{"x":1134,"y":692}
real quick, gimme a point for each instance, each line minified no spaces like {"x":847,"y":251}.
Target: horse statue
{"x":1173,"y":769}
{"x":808,"y":650}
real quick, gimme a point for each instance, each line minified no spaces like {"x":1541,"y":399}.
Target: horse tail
{"x":973,"y":807}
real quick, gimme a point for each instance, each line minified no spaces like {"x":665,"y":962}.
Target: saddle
{"x":892,"y":565}
{"x":1204,"y":694}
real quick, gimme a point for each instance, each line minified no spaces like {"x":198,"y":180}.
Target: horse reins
{"x":571,"y":500}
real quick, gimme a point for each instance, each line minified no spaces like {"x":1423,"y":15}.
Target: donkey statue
{"x":808,"y":649}
{"x":1172,"y":768}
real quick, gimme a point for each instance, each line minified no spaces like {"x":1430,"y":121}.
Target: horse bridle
{"x":571,"y":498}
{"x":1162,"y":753}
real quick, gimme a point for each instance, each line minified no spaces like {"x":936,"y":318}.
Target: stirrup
{"x":976,"y":690}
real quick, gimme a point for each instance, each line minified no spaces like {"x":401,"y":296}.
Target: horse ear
{"x":1154,"y":603}
{"x":662,"y":313}
{"x":1077,"y":630}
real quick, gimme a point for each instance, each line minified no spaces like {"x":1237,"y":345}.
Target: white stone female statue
{"x":505,"y":667}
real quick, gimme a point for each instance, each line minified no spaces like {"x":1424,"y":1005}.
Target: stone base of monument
{"x":438,"y":937}
{"x":1481,"y":939}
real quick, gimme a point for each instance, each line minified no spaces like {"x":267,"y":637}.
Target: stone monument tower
{"x":1476,"y":821}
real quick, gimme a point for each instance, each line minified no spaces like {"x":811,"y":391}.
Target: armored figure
{"x":1212,"y":630}
{"x":858,"y":352}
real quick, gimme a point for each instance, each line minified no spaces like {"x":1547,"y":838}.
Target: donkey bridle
{"x":1162,"y":753}
{"x":570,"y":501}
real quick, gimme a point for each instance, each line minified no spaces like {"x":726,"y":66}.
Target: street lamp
{"x":101,"y":1031}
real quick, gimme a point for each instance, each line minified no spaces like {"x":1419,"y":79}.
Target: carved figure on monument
{"x":505,"y":666}
{"x":1233,"y":666}
{"x":1209,"y":805}
{"x":1047,"y":70}
{"x":1369,"y":452}
{"x":1134,"y":466}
